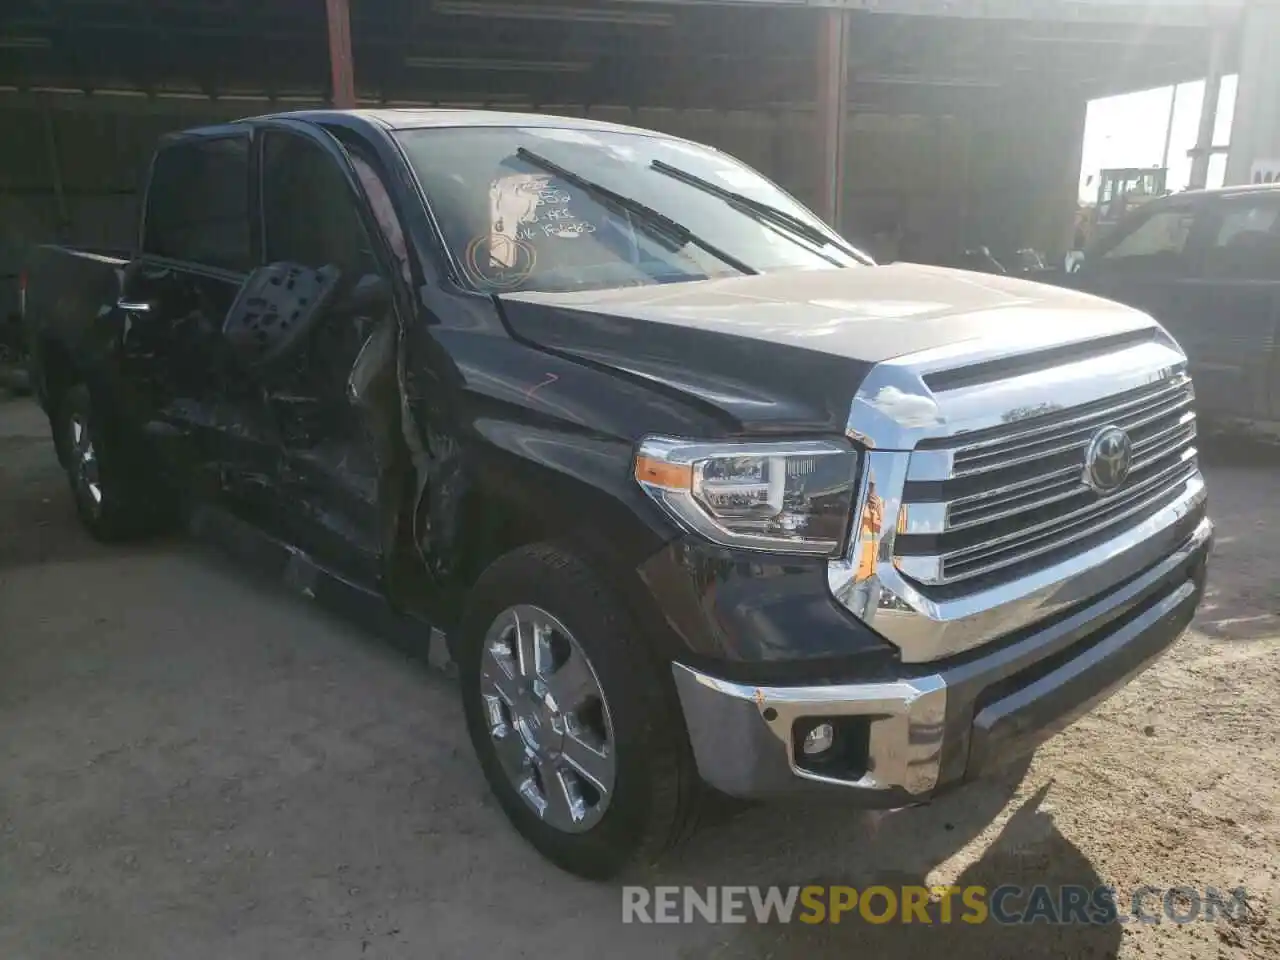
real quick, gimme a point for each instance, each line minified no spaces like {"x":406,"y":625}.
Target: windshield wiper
{"x":677,"y":235}
{"x":757,"y":209}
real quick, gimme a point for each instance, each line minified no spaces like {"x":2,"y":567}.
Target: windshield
{"x":542,"y":208}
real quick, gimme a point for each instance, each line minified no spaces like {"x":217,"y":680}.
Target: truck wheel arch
{"x":56,"y":374}
{"x":489,"y":521}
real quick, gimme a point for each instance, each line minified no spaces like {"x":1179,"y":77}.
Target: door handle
{"x":134,"y":306}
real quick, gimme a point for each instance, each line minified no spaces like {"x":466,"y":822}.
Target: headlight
{"x":781,"y":497}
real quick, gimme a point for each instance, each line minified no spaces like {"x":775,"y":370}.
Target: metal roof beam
{"x":1180,"y":13}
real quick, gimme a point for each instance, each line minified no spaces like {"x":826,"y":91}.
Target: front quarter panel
{"x":515,"y":446}
{"x":760,"y":617}
{"x":528,"y":446}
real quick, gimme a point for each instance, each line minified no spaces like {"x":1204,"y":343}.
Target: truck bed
{"x":68,"y":292}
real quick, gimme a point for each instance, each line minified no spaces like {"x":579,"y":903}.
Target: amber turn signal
{"x":673,"y":476}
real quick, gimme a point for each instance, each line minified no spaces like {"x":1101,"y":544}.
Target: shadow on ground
{"x":195,"y":768}
{"x":1241,"y":602}
{"x":1223,"y":450}
{"x":827,"y":843}
{"x":37,"y":513}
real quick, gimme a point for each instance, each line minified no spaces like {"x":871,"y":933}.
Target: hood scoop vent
{"x":1021,"y":364}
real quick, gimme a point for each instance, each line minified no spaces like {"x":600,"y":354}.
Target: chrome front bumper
{"x":942,"y":724}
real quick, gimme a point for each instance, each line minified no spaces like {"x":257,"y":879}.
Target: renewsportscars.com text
{"x":815,"y":904}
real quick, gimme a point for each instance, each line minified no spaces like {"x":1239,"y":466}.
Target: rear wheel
{"x":115,"y":498}
{"x":576,"y":729}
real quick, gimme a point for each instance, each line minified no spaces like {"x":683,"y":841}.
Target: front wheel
{"x":575,"y":727}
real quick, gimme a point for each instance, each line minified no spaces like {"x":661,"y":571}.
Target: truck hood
{"x":787,"y":351}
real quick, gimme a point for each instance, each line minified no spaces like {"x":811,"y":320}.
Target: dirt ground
{"x":196,"y":765}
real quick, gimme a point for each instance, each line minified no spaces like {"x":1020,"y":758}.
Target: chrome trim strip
{"x":1164,"y":442}
{"x":894,"y":409}
{"x":1100,"y":504}
{"x":1069,"y":527}
{"x":1048,"y":540}
{"x":925,"y":629}
{"x":906,"y":734}
{"x":963,"y":467}
{"x":952,"y":462}
{"x":1174,"y":388}
{"x":967,"y":512}
{"x":1147,"y":409}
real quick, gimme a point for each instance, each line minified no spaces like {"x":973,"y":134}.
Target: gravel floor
{"x":196,"y":765}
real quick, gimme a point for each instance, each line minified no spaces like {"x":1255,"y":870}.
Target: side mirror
{"x":276,"y":308}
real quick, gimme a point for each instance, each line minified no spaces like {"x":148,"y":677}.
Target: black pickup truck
{"x":694,"y":492}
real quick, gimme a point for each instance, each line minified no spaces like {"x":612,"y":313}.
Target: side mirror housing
{"x":276,"y":308}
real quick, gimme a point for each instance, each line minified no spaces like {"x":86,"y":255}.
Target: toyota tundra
{"x":696,"y":494}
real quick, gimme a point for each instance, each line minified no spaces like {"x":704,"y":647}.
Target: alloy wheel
{"x":84,"y":462}
{"x":548,"y":718}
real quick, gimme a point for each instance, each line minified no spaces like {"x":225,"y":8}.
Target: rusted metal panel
{"x":341,"y":67}
{"x":833,"y":105}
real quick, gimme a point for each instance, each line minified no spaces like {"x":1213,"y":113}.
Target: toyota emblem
{"x":1108,"y":459}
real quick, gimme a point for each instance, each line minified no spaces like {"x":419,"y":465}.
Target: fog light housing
{"x":819,"y":739}
{"x":832,"y":747}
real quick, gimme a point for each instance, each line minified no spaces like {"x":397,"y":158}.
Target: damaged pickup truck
{"x":695,"y":493}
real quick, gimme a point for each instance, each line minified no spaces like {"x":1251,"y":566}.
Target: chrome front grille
{"x":1001,"y":499}
{"x":975,"y":517}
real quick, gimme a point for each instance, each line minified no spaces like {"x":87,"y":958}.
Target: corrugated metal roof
{"x":908,"y":55}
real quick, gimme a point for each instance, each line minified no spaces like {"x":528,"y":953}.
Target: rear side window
{"x":1247,"y":241}
{"x":198,"y":203}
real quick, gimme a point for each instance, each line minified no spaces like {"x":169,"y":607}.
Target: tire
{"x":655,"y":790}
{"x":116,"y":497}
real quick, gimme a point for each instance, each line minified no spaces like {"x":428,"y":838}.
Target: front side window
{"x":549,"y":209}
{"x":198,"y":203}
{"x":1247,"y":244}
{"x":309,"y":211}
{"x":1155,"y":241}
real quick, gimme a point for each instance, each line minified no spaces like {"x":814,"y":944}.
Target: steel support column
{"x":342,"y":72}
{"x":1060,"y":235}
{"x":1255,"y":134}
{"x":833,"y":108}
{"x":1208,"y":113}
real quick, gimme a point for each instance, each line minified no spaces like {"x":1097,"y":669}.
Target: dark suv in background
{"x":1206,"y":264}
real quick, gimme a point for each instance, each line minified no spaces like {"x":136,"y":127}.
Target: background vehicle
{"x":697,"y":494}
{"x":1124,"y":189}
{"x":1206,"y":265}
{"x":981,"y":260}
{"x":1025,"y":262}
